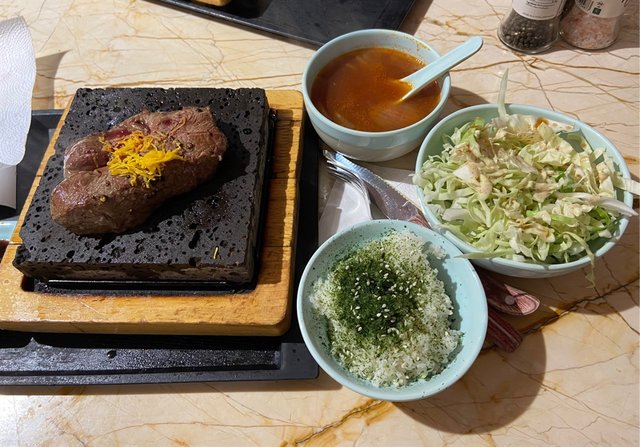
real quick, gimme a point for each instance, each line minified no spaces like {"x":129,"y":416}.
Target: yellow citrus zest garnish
{"x":140,"y":156}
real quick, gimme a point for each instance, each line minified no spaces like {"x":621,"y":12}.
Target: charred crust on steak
{"x":78,"y":201}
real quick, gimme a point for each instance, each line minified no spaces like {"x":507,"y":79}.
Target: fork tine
{"x":360,"y":183}
{"x":349,"y":177}
{"x":339,"y":170}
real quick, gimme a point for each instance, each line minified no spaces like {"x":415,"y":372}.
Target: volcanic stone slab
{"x":209,"y":235}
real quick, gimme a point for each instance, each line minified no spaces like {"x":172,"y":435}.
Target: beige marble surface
{"x":573,"y":382}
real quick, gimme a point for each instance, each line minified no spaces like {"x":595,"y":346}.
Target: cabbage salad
{"x":523,"y":188}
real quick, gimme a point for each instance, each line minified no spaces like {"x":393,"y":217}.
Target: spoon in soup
{"x":423,"y":77}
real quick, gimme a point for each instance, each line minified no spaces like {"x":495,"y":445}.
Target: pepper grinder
{"x":531,"y":26}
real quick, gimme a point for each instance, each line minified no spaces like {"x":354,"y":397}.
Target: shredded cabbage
{"x":523,"y":188}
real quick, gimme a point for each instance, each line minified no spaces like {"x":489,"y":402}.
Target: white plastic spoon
{"x":423,"y":77}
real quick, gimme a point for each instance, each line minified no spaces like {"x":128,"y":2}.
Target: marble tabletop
{"x":574,"y":380}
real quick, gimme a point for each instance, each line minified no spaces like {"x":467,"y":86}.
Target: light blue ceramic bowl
{"x":462,"y":285}
{"x":371,"y":146}
{"x":432,"y":145}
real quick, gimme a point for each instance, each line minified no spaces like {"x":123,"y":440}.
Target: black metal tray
{"x":74,"y":359}
{"x":310,"y":21}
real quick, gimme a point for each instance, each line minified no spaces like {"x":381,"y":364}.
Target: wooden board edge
{"x":244,"y":330}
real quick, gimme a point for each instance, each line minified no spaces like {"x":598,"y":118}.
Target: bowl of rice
{"x":390,"y":310}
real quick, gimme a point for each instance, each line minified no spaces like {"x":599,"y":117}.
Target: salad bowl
{"x":521,"y":266}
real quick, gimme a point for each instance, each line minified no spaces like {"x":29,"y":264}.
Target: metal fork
{"x":348,"y":177}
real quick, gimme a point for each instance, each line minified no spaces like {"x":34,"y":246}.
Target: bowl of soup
{"x":352,"y":92}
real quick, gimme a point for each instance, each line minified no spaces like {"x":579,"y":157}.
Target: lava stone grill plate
{"x":207,"y":239}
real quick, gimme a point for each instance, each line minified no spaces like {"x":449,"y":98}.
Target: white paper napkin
{"x":346,"y":206}
{"x":17,"y":77}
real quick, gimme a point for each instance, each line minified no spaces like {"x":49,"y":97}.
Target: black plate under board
{"x":310,"y":21}
{"x":85,"y":359}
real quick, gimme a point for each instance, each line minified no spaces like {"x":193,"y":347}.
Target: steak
{"x":91,"y":200}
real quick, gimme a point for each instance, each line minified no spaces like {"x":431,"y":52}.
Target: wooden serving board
{"x":264,"y":311}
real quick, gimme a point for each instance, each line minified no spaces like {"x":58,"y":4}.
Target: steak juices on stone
{"x":114,"y":180}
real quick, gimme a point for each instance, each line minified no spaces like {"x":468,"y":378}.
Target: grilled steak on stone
{"x":90,"y":200}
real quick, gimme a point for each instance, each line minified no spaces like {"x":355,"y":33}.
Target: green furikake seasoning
{"x":388,"y":315}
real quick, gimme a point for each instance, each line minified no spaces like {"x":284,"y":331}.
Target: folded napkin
{"x":346,"y":206}
{"x":17,"y":77}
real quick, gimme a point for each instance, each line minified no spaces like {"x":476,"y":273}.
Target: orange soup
{"x":361,"y":90}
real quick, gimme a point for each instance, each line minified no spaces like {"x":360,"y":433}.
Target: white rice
{"x":419,"y":350}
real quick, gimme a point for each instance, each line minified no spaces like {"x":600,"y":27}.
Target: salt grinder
{"x":592,"y":24}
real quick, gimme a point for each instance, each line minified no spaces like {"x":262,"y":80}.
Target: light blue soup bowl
{"x":461,"y":283}
{"x":433,"y":145}
{"x":371,"y":146}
